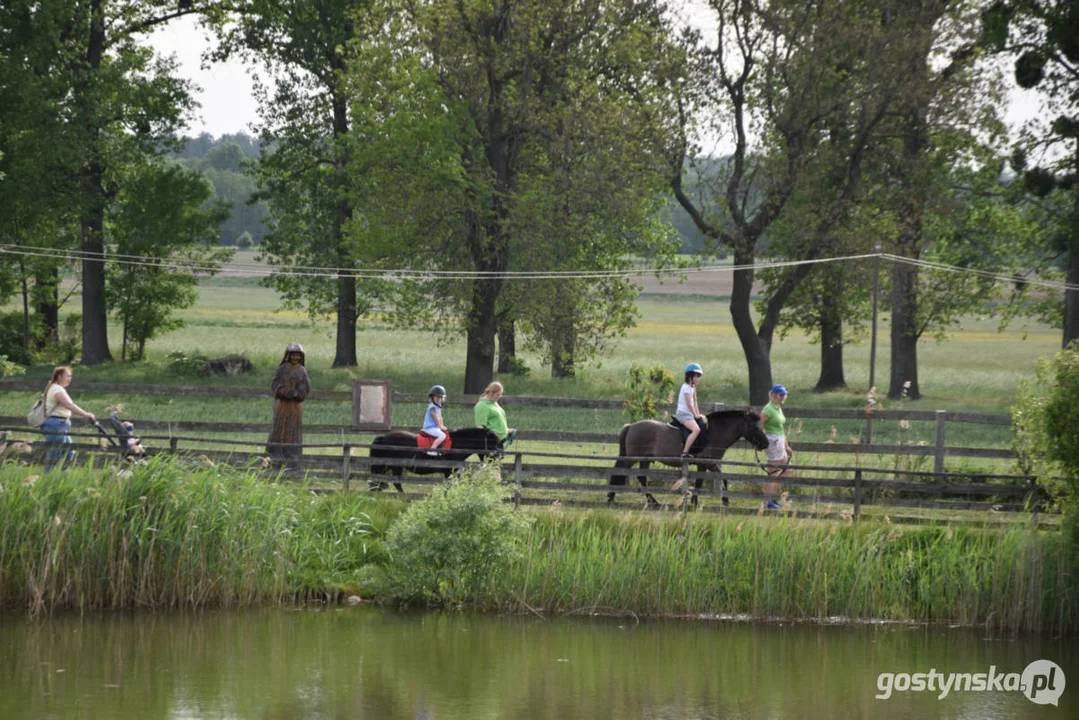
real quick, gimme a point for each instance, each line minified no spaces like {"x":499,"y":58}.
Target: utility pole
{"x":867,"y":437}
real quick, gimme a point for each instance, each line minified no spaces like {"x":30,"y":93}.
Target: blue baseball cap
{"x":779,"y":389}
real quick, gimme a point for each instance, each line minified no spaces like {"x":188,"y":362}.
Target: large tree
{"x":945,"y":124}
{"x":305,"y":126}
{"x":165,"y":238}
{"x":110,"y":101}
{"x":497,"y":136}
{"x":1043,"y":38}
{"x":780,"y":80}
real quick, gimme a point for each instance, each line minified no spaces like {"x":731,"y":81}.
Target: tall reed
{"x":168,"y":536}
{"x":1014,"y":579}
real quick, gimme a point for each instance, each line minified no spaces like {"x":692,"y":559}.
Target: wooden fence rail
{"x":192,"y":432}
{"x":510,"y":400}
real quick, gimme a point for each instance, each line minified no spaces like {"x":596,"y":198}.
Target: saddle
{"x":424,"y":441}
{"x":699,"y":444}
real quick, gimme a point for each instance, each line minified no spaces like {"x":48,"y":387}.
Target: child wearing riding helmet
{"x":687,"y":411}
{"x":432,"y":419}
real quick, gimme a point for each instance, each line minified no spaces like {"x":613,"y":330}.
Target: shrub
{"x":518,"y":368}
{"x":643,"y":387}
{"x":448,"y":547}
{"x":9,"y":368}
{"x":1044,"y":418}
{"x":183,"y":363}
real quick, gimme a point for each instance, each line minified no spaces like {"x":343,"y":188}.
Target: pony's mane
{"x":472,"y":430}
{"x":733,"y":414}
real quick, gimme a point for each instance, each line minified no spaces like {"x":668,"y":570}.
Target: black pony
{"x":653,"y":439}
{"x":401,"y":445}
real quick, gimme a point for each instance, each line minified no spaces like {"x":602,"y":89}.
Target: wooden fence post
{"x":857,"y":494}
{"x":517,"y":479}
{"x":685,"y":484}
{"x":938,"y":461}
{"x":174,"y":443}
{"x":345,"y":465}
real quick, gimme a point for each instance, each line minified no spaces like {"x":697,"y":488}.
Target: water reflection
{"x":370,"y":663}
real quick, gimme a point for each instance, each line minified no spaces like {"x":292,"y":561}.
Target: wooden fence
{"x":545,"y":478}
{"x":939,"y":450}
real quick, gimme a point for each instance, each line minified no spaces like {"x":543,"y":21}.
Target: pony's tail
{"x":621,"y":479}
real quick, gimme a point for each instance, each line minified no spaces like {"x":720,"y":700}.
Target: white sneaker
{"x":433,"y":453}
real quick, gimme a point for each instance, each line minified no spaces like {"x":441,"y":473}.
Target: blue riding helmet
{"x":778,"y":389}
{"x":694,"y":368}
{"x":438,"y":390}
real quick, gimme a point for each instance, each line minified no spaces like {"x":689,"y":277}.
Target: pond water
{"x":367,"y":662}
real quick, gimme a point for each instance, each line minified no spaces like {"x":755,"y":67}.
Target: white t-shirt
{"x":684,"y":412}
{"x":52,"y":407}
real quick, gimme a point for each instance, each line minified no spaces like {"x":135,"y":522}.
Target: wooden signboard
{"x":372,"y":405}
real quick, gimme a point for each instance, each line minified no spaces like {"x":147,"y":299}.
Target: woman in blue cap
{"x":687,"y":411}
{"x":779,"y":450}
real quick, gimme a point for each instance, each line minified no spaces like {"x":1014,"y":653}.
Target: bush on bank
{"x":449,"y":547}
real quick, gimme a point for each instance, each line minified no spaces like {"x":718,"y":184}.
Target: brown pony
{"x":653,"y":439}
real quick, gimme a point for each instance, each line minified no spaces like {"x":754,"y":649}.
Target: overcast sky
{"x":227,"y":105}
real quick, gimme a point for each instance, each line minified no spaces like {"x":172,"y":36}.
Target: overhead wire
{"x":398,"y":274}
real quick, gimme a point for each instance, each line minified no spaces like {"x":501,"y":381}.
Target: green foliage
{"x":9,"y":368}
{"x":467,"y":165}
{"x":227,"y":163}
{"x":61,"y":349}
{"x":518,"y":367}
{"x":1045,"y":417}
{"x":160,"y":220}
{"x":451,"y":546}
{"x":646,"y":389}
{"x":186,"y":363}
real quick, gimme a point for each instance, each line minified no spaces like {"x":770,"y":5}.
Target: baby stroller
{"x":126,"y":443}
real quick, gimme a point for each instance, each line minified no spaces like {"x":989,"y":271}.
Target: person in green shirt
{"x":489,"y":414}
{"x":779,"y":450}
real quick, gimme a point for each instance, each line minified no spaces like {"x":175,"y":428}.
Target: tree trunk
{"x":757,"y":356}
{"x":905,"y":330}
{"x":95,"y":324}
{"x":25,"y":307}
{"x":46,"y":296}
{"x":904,"y":333}
{"x":831,"y":347}
{"x":345,"y":352}
{"x":562,"y":352}
{"x":480,"y":348}
{"x":507,"y":345}
{"x":123,"y":345}
{"x":1071,"y":297}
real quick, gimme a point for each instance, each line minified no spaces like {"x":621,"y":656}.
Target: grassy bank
{"x":1007,"y":580}
{"x":173,"y":537}
{"x":170,"y":537}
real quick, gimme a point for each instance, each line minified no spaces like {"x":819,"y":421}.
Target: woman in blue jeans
{"x":58,"y":409}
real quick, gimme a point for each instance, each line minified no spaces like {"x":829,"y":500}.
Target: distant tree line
{"x":227,"y":162}
{"x":454,"y":143}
